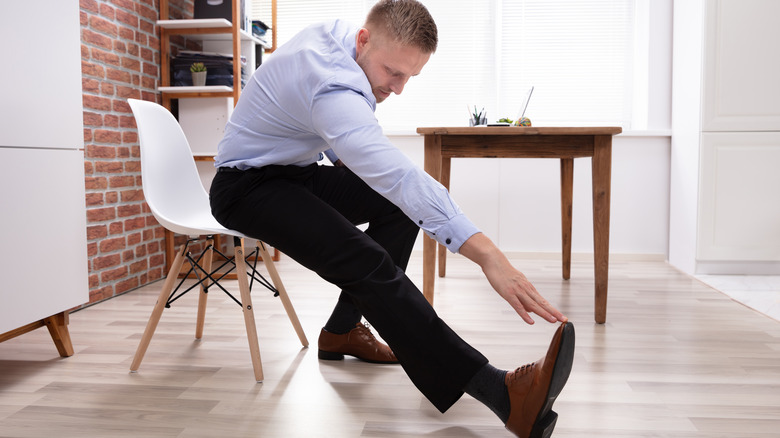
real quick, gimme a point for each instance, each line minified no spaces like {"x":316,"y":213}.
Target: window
{"x":578,"y":54}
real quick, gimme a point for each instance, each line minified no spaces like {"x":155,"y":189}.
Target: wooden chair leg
{"x":203,"y":296}
{"x":151,"y":326}
{"x":246,"y":302}
{"x":277,"y":281}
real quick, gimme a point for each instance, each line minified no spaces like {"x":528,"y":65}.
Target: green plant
{"x":197,"y":67}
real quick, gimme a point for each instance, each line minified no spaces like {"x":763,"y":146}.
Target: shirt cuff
{"x":454,"y":233}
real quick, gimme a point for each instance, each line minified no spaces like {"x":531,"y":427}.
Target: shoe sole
{"x":545,"y":421}
{"x":330,"y":355}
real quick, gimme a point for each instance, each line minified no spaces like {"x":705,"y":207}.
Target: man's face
{"x":387,"y":65}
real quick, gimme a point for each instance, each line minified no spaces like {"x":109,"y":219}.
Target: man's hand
{"x":510,"y":283}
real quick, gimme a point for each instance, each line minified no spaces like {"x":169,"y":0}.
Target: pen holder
{"x":474,"y":122}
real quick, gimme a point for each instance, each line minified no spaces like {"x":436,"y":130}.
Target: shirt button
{"x":421,"y":222}
{"x":448,"y":241}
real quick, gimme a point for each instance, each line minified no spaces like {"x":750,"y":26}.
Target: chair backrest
{"x":171,"y":183}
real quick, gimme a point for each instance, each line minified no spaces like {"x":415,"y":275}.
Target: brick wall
{"x":120,"y":52}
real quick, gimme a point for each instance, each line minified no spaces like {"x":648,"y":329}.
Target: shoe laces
{"x":365,"y":330}
{"x":523,"y":370}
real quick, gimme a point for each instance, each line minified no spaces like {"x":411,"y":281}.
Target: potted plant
{"x":198,"y":71}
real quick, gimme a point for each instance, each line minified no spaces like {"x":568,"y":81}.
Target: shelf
{"x":213,"y":29}
{"x":205,"y":91}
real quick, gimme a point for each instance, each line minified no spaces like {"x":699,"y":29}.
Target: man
{"x":316,"y":94}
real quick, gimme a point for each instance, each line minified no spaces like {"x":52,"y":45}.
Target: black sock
{"x":344,"y":317}
{"x":488,"y":386}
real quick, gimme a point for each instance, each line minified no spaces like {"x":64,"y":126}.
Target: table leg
{"x":601,"y":170}
{"x":433,"y":167}
{"x":446,"y":164}
{"x":567,"y":190}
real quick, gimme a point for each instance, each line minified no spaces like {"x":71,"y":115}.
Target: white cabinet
{"x":43,"y":263}
{"x":725,"y":207}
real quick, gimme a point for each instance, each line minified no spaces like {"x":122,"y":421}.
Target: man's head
{"x":395,"y":43}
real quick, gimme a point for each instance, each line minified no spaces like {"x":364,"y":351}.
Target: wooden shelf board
{"x":188,"y":27}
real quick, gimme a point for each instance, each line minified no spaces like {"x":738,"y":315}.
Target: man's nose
{"x":398,"y":85}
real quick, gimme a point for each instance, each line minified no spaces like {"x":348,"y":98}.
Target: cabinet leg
{"x":58,"y":329}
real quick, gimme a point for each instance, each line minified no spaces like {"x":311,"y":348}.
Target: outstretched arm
{"x":510,"y":283}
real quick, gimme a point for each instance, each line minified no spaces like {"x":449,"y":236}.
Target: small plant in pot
{"x":198,"y":71}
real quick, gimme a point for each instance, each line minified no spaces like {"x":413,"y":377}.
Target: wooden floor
{"x":675,"y":359}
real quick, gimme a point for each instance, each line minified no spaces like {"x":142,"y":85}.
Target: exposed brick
{"x":112,"y":197}
{"x":95,"y":183}
{"x":91,"y":249}
{"x":94,"y":199}
{"x":105,"y":57}
{"x":138,"y":266}
{"x":120,"y":47}
{"x":108,"y":166}
{"x":92,"y":69}
{"x":127,"y":92}
{"x":150,"y":69}
{"x":106,"y":89}
{"x":126,"y":4}
{"x":112,"y":120}
{"x":126,"y":285}
{"x":111,"y":245}
{"x":97,"y":151}
{"x":127,"y":122}
{"x":103,"y":26}
{"x":127,"y":18}
{"x":134,"y":224}
{"x":117,"y":75}
{"x":157,"y":260}
{"x":127,"y":256}
{"x":106,"y":136}
{"x":97,"y":39}
{"x":89,"y":6}
{"x":94,"y":281}
{"x":116,"y":228}
{"x":127,"y":34}
{"x":107,"y":11}
{"x":89,"y":168}
{"x":101,"y":294}
{"x":106,"y":261}
{"x":128,"y":210}
{"x":101,"y":214}
{"x":92,"y":119}
{"x":132,"y":195}
{"x":96,"y":232}
{"x":121,"y":181}
{"x":134,"y":239}
{"x":96,"y":102}
{"x":131,"y":63}
{"x":113,"y":274}
{"x":87,"y":135}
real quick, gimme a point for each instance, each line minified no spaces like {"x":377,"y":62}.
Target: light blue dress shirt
{"x":311,"y":97}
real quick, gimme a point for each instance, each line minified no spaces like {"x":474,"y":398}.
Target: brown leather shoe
{"x":534,"y":387}
{"x":358,"y":342}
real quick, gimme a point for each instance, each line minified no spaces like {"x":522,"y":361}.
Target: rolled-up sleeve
{"x":345,"y":119}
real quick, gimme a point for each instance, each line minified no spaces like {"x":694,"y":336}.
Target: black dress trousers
{"x":309,"y":213}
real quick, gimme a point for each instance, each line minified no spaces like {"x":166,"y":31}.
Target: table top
{"x":520,"y":130}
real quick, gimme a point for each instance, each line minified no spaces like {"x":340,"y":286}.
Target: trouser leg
{"x":277,"y":206}
{"x":359,"y":204}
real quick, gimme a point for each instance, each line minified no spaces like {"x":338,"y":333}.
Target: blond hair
{"x":406,"y":22}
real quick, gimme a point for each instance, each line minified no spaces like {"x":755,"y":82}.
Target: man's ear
{"x":363,"y":37}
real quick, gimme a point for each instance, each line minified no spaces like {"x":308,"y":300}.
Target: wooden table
{"x":566,"y":144}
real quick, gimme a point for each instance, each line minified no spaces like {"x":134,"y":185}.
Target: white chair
{"x":178,"y":201}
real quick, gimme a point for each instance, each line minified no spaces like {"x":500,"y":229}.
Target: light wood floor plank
{"x":675,"y":359}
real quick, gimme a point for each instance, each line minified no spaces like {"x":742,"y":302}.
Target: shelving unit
{"x":216,"y":35}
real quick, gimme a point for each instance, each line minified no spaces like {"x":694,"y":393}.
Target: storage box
{"x":220,"y":9}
